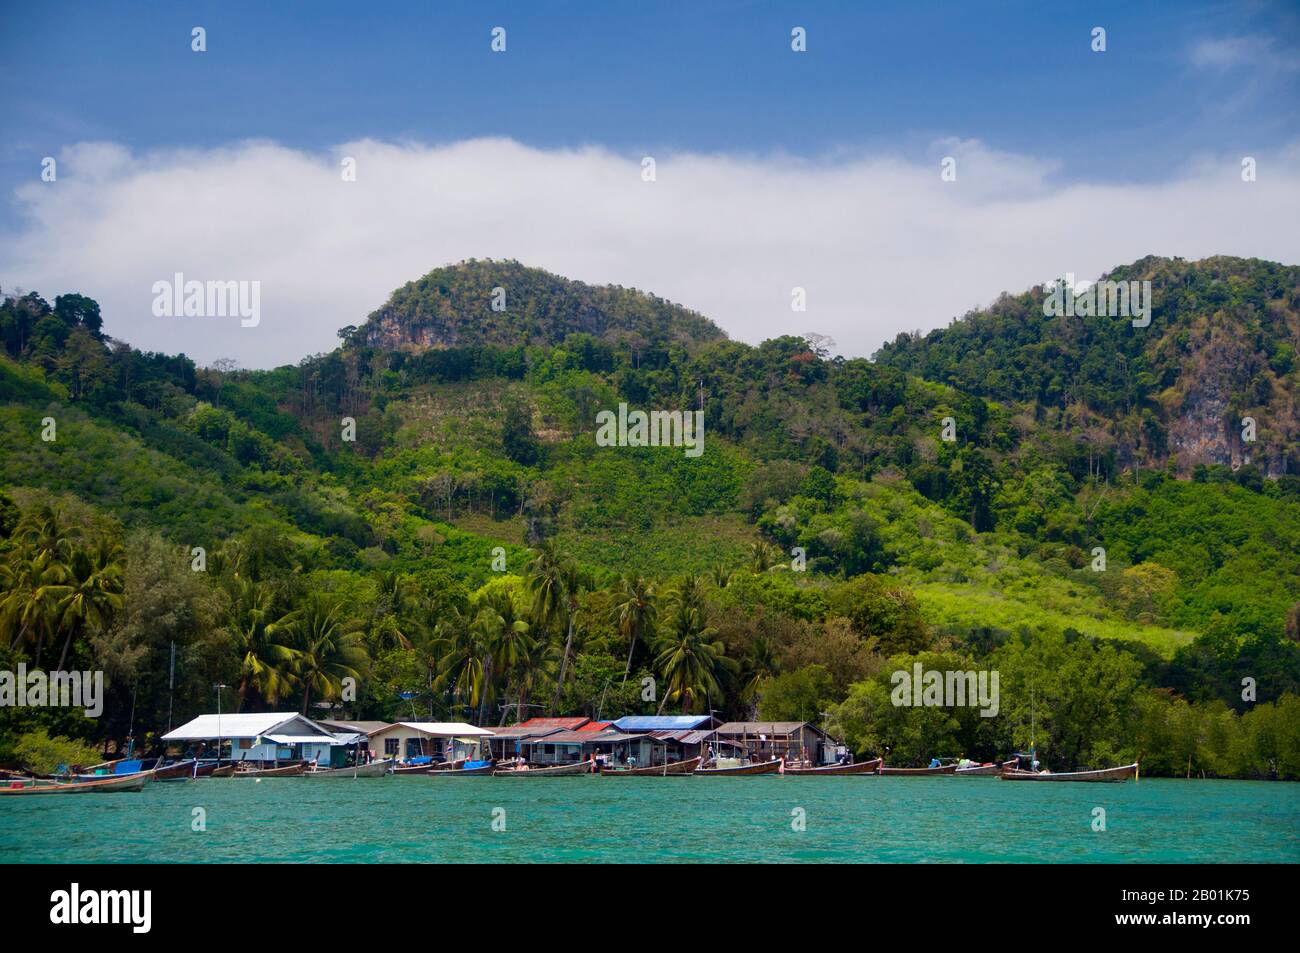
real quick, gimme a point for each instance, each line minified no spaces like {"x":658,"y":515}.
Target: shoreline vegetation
{"x":474,"y":555}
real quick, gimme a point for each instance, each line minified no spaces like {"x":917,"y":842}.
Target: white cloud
{"x":879,"y":242}
{"x":1232,"y":52}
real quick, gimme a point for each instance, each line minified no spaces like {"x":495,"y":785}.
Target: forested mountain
{"x":1221,"y":346}
{"x":506,"y":304}
{"x":473,"y":553}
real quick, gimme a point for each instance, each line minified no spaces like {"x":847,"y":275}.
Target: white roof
{"x":441,"y":729}
{"x":247,"y":725}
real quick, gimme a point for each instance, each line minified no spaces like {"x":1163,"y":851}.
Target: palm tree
{"x":93,"y":587}
{"x":458,"y":656}
{"x":556,"y":584}
{"x":267,"y":663}
{"x":326,"y":647}
{"x":758,"y":666}
{"x":689,"y":659}
{"x":49,"y":534}
{"x":33,"y":588}
{"x":501,"y":640}
{"x":763,"y":556}
{"x":635,"y":612}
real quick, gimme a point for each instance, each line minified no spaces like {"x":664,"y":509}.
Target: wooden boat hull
{"x":678,"y":769}
{"x":375,"y":769}
{"x":402,"y":770}
{"x":287,"y":771}
{"x":919,"y":772}
{"x":1122,"y":773}
{"x":480,"y":772}
{"x":835,"y":770}
{"x":180,"y":771}
{"x":985,"y":770}
{"x":559,"y":771}
{"x":456,"y":765}
{"x":109,"y":785}
{"x":223,"y":771}
{"x":744,"y":770}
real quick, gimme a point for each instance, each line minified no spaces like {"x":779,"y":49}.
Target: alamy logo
{"x":103,"y":906}
{"x":23,"y":689}
{"x":933,"y":689}
{"x":179,"y":298}
{"x":658,"y":428}
{"x":1114,"y":299}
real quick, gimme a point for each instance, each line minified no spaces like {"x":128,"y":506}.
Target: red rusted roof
{"x":568,"y":724}
{"x":596,"y":726}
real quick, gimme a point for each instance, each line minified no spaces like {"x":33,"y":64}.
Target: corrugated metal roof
{"x":438,"y":729}
{"x":596,"y":726}
{"x":660,"y":722}
{"x":583,"y":738}
{"x":365,"y":727}
{"x":519,"y":731}
{"x":245,"y":725}
{"x":765,"y":727}
{"x":568,"y":724}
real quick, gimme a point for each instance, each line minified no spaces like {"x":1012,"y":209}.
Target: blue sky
{"x":887,"y":80}
{"x":703,"y":76}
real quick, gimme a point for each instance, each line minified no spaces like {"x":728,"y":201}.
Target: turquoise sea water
{"x":592,"y":819}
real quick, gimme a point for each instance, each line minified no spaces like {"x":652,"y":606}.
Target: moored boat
{"x":920,"y":772}
{"x":558,"y":771}
{"x":835,"y":770}
{"x":739,"y":770}
{"x":179,"y":771}
{"x":106,"y":785}
{"x":671,"y":769}
{"x":1122,"y":773}
{"x":407,"y":769}
{"x":284,"y":771}
{"x":375,"y":769}
{"x":221,"y":771}
{"x":450,"y":765}
{"x":474,"y":769}
{"x":986,"y":770}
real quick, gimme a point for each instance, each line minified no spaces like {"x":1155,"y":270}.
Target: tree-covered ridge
{"x":1222,"y":345}
{"x":474,"y":548}
{"x":504,"y":303}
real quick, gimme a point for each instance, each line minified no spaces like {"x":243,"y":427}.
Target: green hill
{"x":827,"y":533}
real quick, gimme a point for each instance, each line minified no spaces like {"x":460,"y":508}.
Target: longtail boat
{"x":405,"y":769}
{"x":920,"y":772}
{"x":180,"y":771}
{"x":741,"y":770}
{"x":285,"y":771}
{"x":449,"y":765}
{"x":205,"y":769}
{"x":672,"y":769}
{"x":558,"y":771}
{"x":835,"y":770}
{"x":473,"y":769}
{"x":108,"y":785}
{"x":986,"y":770}
{"x":1122,"y":773}
{"x":222,"y":771}
{"x":375,"y":769}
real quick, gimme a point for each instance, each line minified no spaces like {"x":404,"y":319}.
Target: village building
{"x":671,"y":737}
{"x":262,"y":738}
{"x":791,"y":740}
{"x":507,"y":741}
{"x":419,"y":742}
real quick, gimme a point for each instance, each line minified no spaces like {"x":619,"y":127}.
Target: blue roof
{"x":660,"y":722}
